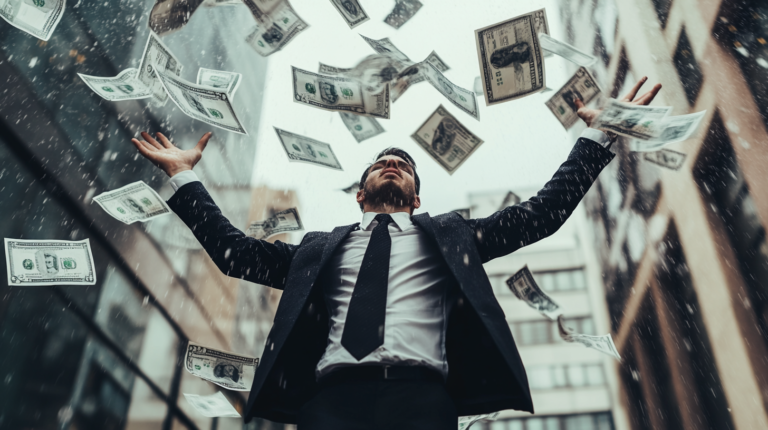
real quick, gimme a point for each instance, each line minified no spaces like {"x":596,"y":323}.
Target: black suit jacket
{"x":485,"y":373}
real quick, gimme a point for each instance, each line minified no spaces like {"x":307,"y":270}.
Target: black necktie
{"x":364,"y":327}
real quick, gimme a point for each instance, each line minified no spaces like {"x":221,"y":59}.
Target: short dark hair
{"x":397,"y":152}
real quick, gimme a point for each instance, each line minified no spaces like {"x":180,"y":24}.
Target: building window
{"x":662,"y":10}
{"x":565,"y":376}
{"x":591,"y":421}
{"x":688,"y":68}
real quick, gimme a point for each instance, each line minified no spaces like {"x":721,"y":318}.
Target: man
{"x":390,"y":323}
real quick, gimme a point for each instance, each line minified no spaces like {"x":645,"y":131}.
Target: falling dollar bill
{"x":436,"y":61}
{"x":466,"y":422}
{"x":215,"y":405}
{"x":351,"y":11}
{"x":602,"y":343}
{"x":133,"y":202}
{"x":463,"y":99}
{"x":49,"y":262}
{"x":262,"y":10}
{"x":446,"y":140}
{"x":352,"y":189}
{"x":668,"y":158}
{"x":361,"y":127}
{"x":582,"y":86}
{"x":168,"y":16}
{"x":325,"y":69}
{"x":220,"y":79}
{"x":673,"y":129}
{"x":157,"y":56}
{"x":225,"y":369}
{"x":36,"y":17}
{"x":570,"y":53}
{"x":339,"y":93}
{"x":640,"y":122}
{"x":210,"y":105}
{"x":524,"y":287}
{"x":511,"y":65}
{"x":273,"y":29}
{"x":304,"y":149}
{"x":125,"y":86}
{"x":404,"y":10}
{"x":386,"y":47}
{"x":478,"y":87}
{"x":281,"y":222}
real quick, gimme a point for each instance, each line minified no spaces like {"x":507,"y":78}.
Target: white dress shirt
{"x":418,"y":299}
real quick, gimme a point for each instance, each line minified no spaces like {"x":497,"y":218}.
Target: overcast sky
{"x":523,"y":142}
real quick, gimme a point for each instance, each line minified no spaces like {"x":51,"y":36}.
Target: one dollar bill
{"x":361,"y":127}
{"x":303,"y":149}
{"x":219,"y":79}
{"x":225,"y":369}
{"x":602,"y":343}
{"x":339,"y":93}
{"x":36,"y":17}
{"x":524,"y":287}
{"x":640,"y":122}
{"x":157,"y":56}
{"x":510,"y":57}
{"x":666,"y":158}
{"x":277,"y":24}
{"x":133,"y":202}
{"x":215,"y":405}
{"x":351,"y":11}
{"x":49,"y":262}
{"x":582,"y":86}
{"x":570,"y":53}
{"x":446,"y":140}
{"x":281,"y":222}
{"x":466,"y":422}
{"x":673,"y":129}
{"x":210,"y":105}
{"x":124,"y":86}
{"x":460,"y":97}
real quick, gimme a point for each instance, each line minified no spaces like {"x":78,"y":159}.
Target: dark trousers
{"x":382,"y":405}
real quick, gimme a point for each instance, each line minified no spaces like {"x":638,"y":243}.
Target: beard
{"x":389,"y":194}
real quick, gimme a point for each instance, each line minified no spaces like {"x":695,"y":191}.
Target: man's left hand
{"x":589,"y":115}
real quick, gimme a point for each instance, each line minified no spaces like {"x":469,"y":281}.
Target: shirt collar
{"x":401,"y":220}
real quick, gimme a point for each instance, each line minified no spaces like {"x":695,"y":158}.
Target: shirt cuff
{"x":183,"y":178}
{"x":595,"y":135}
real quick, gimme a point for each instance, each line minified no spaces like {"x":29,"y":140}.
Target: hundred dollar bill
{"x":133,"y":202}
{"x":281,"y":222}
{"x":352,"y":189}
{"x":446,"y":140}
{"x":351,"y":11}
{"x":49,"y":262}
{"x":602,"y":343}
{"x":339,"y":93}
{"x":225,"y":369}
{"x":274,"y":29}
{"x":404,"y":10}
{"x":466,"y":422}
{"x":570,"y":53}
{"x":524,"y":287}
{"x":36,"y":17}
{"x":673,"y":129}
{"x":304,"y":149}
{"x":215,"y":405}
{"x":220,"y":79}
{"x":668,"y":158}
{"x":581,"y":86}
{"x":125,"y":86}
{"x":157,"y":56}
{"x":361,"y":127}
{"x":168,"y":16}
{"x":511,"y":65}
{"x":640,"y":122}
{"x":436,"y":61}
{"x":386,"y":47}
{"x":210,"y":105}
{"x":463,"y":99}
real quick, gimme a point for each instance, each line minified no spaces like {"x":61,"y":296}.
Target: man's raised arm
{"x":234,"y":253}
{"x":517,"y":226}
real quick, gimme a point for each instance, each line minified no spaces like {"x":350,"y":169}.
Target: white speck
{"x":32,"y":62}
{"x":741,"y":50}
{"x":762,"y":62}
{"x":733,"y":126}
{"x":744,"y":143}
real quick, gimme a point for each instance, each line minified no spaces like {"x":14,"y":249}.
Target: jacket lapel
{"x":337,"y":235}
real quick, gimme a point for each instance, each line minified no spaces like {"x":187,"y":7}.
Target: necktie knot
{"x":383,"y":219}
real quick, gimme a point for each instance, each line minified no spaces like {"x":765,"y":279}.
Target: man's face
{"x":50,"y":262}
{"x":391,"y":181}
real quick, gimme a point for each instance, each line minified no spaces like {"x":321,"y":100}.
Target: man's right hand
{"x":167,"y":156}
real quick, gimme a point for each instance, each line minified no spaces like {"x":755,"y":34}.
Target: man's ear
{"x":416,"y":202}
{"x":360,"y":196}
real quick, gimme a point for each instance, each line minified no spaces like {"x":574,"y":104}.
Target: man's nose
{"x":391,"y":163}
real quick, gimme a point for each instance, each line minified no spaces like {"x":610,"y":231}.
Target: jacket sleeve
{"x":234,"y":253}
{"x":523,"y":224}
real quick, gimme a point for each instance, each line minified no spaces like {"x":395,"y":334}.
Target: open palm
{"x":167,"y":156}
{"x":589,"y":115}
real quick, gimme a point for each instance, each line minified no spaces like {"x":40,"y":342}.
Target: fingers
{"x":203,"y":141}
{"x":164,"y":140}
{"x":579,"y":104}
{"x":143,"y":148}
{"x":648,"y":97}
{"x":633,"y":92}
{"x":151,"y":141}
